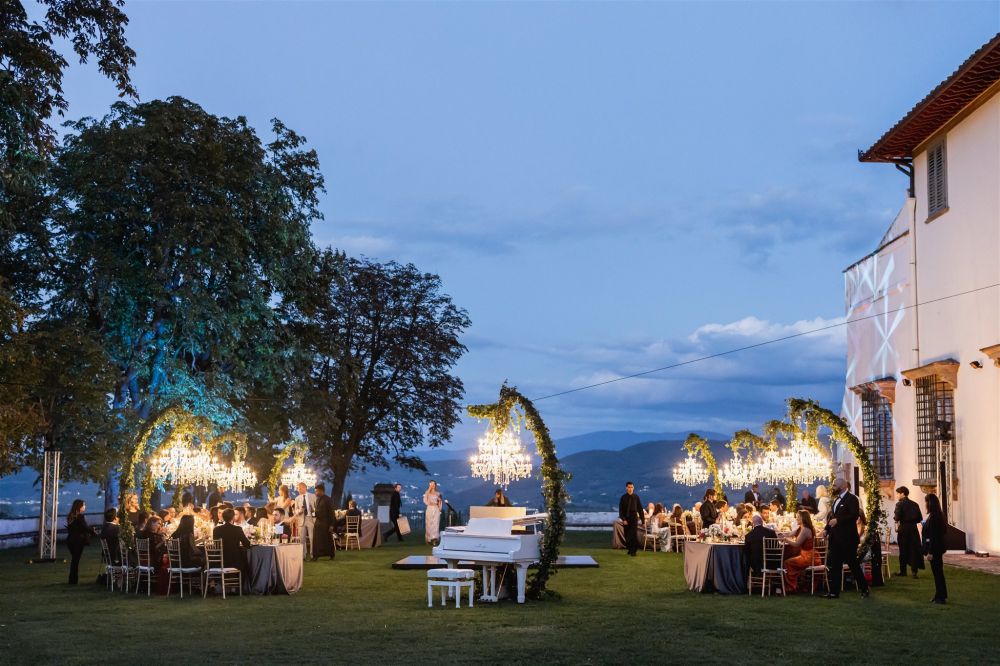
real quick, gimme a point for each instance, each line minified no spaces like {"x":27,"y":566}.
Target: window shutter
{"x":937,"y":182}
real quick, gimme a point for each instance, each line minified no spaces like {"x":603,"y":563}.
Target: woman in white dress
{"x":432,"y":517}
{"x":822,"y":504}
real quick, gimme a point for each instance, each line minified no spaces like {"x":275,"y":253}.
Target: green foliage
{"x":296,"y":448}
{"x":514,"y":406}
{"x":696,"y":445}
{"x":382,"y":340}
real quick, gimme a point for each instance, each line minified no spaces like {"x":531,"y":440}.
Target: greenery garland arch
{"x":298,"y":447}
{"x":509,"y":410}
{"x":696,"y":445}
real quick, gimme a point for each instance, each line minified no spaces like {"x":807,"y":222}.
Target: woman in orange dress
{"x":807,"y":557}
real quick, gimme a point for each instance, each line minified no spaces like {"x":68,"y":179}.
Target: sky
{"x":605,"y":187}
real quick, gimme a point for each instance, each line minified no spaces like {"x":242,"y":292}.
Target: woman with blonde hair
{"x":822,"y":504}
{"x":432,"y":516}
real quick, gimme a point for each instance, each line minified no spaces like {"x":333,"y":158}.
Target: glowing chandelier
{"x":803,"y":463}
{"x":690,"y":472}
{"x":237,"y":476}
{"x":738,"y":473}
{"x":501,"y":457}
{"x":180,"y":465}
{"x":298,"y":473}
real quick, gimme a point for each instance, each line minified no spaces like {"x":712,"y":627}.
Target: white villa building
{"x":923,"y":372}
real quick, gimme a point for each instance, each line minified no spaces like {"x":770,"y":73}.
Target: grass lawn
{"x":359,"y":610}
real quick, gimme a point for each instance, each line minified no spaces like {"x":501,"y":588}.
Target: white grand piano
{"x":489,"y":542}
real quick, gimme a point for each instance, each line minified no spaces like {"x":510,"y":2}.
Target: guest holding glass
{"x":78,"y":537}
{"x":804,"y":541}
{"x":934,"y":547}
{"x":432,"y":515}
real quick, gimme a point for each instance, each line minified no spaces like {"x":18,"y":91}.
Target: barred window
{"x":876,"y":431}
{"x":935,"y":416}
{"x":937,"y":179}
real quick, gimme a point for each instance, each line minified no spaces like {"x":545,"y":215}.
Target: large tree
{"x":382,"y":345}
{"x":180,"y":231}
{"x":32,"y":407}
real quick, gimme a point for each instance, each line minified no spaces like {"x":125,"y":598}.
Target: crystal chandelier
{"x":170,"y":463}
{"x":770,"y":467}
{"x":237,"y":476}
{"x":298,"y":473}
{"x":501,"y":457}
{"x":738,"y":473}
{"x":690,"y":472}
{"x":803,"y":463}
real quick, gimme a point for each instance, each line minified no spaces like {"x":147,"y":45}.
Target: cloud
{"x":727,"y":392}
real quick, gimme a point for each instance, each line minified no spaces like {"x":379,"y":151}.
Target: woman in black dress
{"x":934,"y":530}
{"x":78,"y":537}
{"x":191,"y":556}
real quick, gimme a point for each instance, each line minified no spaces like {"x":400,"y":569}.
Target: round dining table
{"x":715,"y":567}
{"x":275,"y":568}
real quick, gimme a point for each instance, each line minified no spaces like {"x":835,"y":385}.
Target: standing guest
{"x":109,"y":535}
{"x":753,"y":544}
{"x":843,"y":540}
{"x":907,"y":516}
{"x":283,"y":500}
{"x":78,"y":537}
{"x":395,"y":504}
{"x":191,"y":555}
{"x":753,"y":496}
{"x":934,"y":548}
{"x":234,"y":542}
{"x":305,"y":518}
{"x":822,"y":503}
{"x":322,"y":541}
{"x":499,"y":499}
{"x":216,"y":497}
{"x":630,"y":512}
{"x":709,"y":512}
{"x":432,"y":515}
{"x":804,"y":541}
{"x":808,"y":502}
{"x":132,"y":510}
{"x":187,"y":503}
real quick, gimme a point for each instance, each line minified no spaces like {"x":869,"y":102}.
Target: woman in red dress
{"x":807,"y":557}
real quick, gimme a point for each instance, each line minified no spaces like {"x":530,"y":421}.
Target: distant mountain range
{"x":600,"y":464}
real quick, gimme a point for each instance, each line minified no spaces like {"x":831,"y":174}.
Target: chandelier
{"x":738,"y":473}
{"x":803,"y":463}
{"x":237,"y":476}
{"x":770,"y":467}
{"x":180,"y":465}
{"x":690,"y":472}
{"x":298,"y":473}
{"x":501,"y":457}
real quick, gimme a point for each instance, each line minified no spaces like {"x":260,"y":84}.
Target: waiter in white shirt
{"x":305,"y":517}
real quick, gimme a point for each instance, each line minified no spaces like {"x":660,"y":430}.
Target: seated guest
{"x":157,"y":543}
{"x":776,"y":495}
{"x":213,"y":515}
{"x":499,"y":499}
{"x":132,"y":511}
{"x":709,"y":512}
{"x":723,"y":507}
{"x":279,"y":524}
{"x":807,"y":557}
{"x":234,"y":542}
{"x":248,"y":511}
{"x":109,"y":534}
{"x":256,"y":516}
{"x":765,"y":514}
{"x":743,"y":512}
{"x":140,"y":520}
{"x":753,"y":544}
{"x":659,"y":525}
{"x":677,"y":514}
{"x":777,"y":508}
{"x":808,"y":502}
{"x":822,"y":503}
{"x":648,"y":512}
{"x":191,"y":555}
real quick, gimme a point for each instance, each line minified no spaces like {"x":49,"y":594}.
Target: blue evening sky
{"x":605,"y":188}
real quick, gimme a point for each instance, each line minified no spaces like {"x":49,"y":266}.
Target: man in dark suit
{"x":753,"y":544}
{"x":843,"y":539}
{"x":907,"y":517}
{"x":216,"y":497}
{"x":753,"y":496}
{"x":325,"y":520}
{"x":234,"y":543}
{"x":395,"y":504}
{"x":630,"y":512}
{"x":110,"y":532}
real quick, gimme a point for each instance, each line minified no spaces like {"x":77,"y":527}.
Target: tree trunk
{"x":339,"y":466}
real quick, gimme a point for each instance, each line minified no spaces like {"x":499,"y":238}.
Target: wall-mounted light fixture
{"x":907,"y":382}
{"x":978,"y":365}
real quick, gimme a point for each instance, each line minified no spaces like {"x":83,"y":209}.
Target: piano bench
{"x":452,"y":580}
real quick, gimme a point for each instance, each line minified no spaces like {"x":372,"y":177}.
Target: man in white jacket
{"x":305,"y":517}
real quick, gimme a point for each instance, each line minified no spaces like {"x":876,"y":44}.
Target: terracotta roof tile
{"x":968,"y":82}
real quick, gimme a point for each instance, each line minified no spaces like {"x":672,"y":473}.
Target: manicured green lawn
{"x":359,"y":610}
